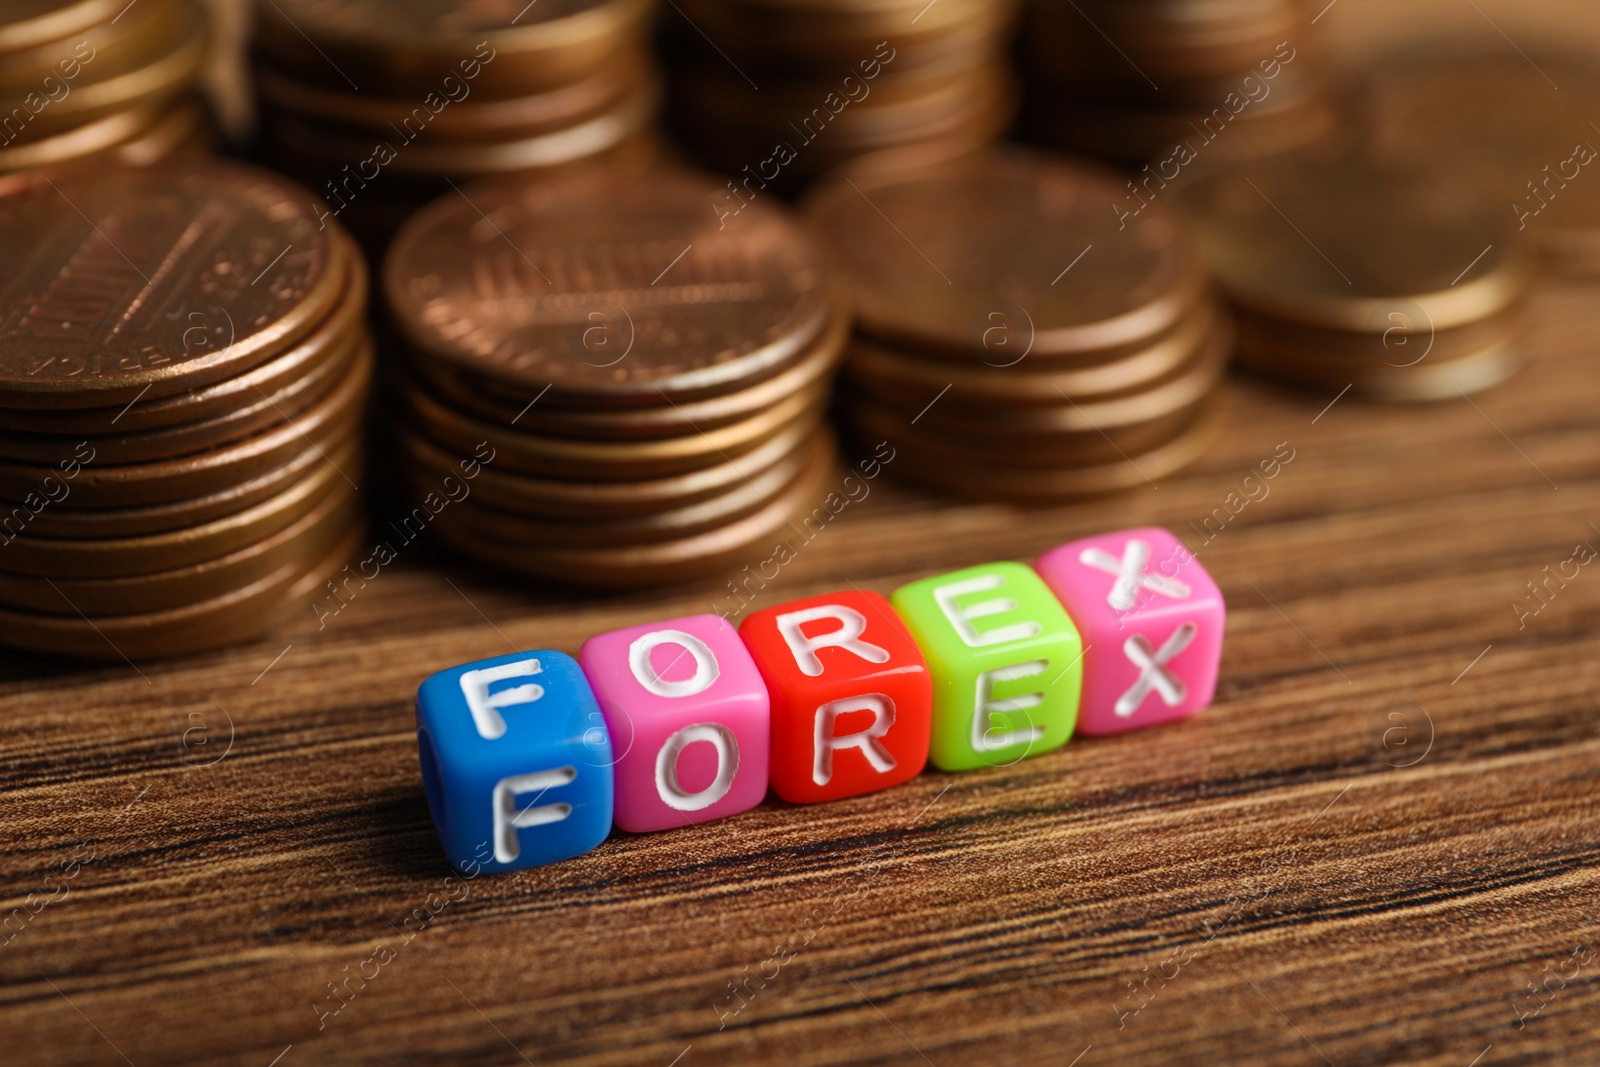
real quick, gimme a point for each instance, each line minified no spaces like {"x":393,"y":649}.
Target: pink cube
{"x":689,"y":721}
{"x":1151,"y":620}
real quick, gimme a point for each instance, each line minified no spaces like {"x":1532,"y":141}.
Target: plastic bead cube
{"x":1006,"y":662}
{"x":516,"y":761}
{"x":688,"y":716}
{"x":1153,"y":620}
{"x":851,"y":696}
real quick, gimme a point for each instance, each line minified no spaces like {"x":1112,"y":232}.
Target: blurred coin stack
{"x":101,"y":79}
{"x":1499,"y":117}
{"x":1167,"y":81}
{"x":380,"y":106}
{"x":183,"y":365}
{"x":1015,"y":338}
{"x":837,"y":79}
{"x":607,"y":384}
{"x":1403,"y":282}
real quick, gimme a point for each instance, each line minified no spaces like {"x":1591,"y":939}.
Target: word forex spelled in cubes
{"x":673,"y":723}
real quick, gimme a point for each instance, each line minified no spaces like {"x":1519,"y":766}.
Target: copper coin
{"x":553,"y":148}
{"x":840,"y":34}
{"x":329,"y":340}
{"x":812,"y":369}
{"x":609,"y":288}
{"x":310,"y":536}
{"x":1007,"y":253}
{"x":992,"y":481}
{"x":139,"y":485}
{"x":52,"y":516}
{"x":151,"y":57}
{"x":751,"y":539}
{"x":473,"y":519}
{"x":1425,"y":381}
{"x":1340,"y":241}
{"x":1180,"y":389}
{"x":151,"y":553}
{"x":233,"y":617}
{"x":454,"y":113}
{"x":501,"y":47}
{"x":99,"y":309}
{"x":264,"y":412}
{"x":571,"y":500}
{"x":607,"y":461}
{"x":888,"y":370}
{"x":27,"y":23}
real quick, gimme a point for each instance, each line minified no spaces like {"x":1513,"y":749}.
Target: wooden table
{"x":1383,"y":832}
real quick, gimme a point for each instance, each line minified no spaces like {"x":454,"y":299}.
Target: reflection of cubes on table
{"x":1006,"y":661}
{"x":516,"y":761}
{"x":850,"y":692}
{"x":688,"y":716}
{"x":1152,"y":621}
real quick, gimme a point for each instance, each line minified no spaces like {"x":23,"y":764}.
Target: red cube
{"x":851,"y":698}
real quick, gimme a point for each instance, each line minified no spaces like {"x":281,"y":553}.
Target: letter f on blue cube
{"x":516,"y":760}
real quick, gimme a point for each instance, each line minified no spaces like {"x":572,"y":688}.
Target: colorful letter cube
{"x":688,"y":716}
{"x":1006,"y":661}
{"x":1153,"y":620}
{"x":516,"y":761}
{"x":850,"y":692}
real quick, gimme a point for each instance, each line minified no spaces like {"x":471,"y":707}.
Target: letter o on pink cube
{"x":689,"y":719}
{"x":1152,"y":622}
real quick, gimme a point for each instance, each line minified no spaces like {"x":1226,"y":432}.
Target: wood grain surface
{"x":1379,"y":846}
{"x":1379,"y":837}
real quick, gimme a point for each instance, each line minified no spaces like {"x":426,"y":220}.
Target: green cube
{"x":1007,"y":664}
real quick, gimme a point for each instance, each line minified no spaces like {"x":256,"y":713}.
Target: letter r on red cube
{"x":851,"y":697}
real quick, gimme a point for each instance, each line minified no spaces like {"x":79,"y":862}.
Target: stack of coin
{"x":379,"y":106}
{"x":183,"y":366}
{"x":1015,"y":338}
{"x":776,"y":91}
{"x":1501,"y":116}
{"x":1166,"y":81}
{"x":100,"y":79}
{"x":637,"y":385}
{"x":1403,"y":282}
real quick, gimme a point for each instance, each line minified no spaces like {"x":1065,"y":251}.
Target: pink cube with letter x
{"x":1151,"y":620}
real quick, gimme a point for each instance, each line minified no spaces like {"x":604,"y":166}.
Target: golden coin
{"x":499,"y":47}
{"x":991,"y":481}
{"x":571,"y":500}
{"x":888,"y":371}
{"x":236,"y":616}
{"x":185,"y":127}
{"x":152,"y":553}
{"x":754,"y":536}
{"x":608,"y":288}
{"x":1339,"y":241}
{"x":1461,"y":376}
{"x":1006,"y":254}
{"x":59,"y":519}
{"x":101,"y":308}
{"x":312,"y":535}
{"x":98,"y":135}
{"x":1407,"y":343}
{"x":612,"y":461}
{"x":139,"y":485}
{"x":473,"y":519}
{"x":812,"y":369}
{"x":329,"y":340}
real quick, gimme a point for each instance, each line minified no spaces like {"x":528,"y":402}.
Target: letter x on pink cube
{"x":689,"y":721}
{"x":1151,"y":620}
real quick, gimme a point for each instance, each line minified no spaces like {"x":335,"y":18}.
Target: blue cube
{"x":516,"y":761}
